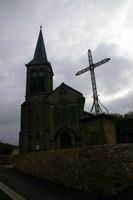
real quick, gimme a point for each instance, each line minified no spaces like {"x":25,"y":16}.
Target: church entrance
{"x":66,"y":141}
{"x":65,"y":138}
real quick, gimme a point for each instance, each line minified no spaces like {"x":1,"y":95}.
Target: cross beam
{"x":93,"y":80}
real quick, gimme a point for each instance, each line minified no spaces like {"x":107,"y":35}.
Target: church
{"x":55,"y":119}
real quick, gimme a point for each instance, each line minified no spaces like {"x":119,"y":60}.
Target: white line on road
{"x":8,"y":191}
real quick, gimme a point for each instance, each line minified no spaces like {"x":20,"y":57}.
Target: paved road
{"x":32,"y":188}
{"x":3,"y":196}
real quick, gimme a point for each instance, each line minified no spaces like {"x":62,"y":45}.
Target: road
{"x":32,"y":188}
{"x":3,"y":196}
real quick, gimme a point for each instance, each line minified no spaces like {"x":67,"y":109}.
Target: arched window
{"x":33,"y":85}
{"x":41,"y":81}
{"x":56,"y":114}
{"x":41,"y":84}
{"x":64,"y":110}
{"x":37,"y":82}
{"x":72,"y":114}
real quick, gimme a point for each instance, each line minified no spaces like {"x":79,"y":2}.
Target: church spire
{"x":40,"y":56}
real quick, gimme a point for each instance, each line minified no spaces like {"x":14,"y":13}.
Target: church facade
{"x":55,"y":119}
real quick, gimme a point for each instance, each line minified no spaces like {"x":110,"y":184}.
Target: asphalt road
{"x":3,"y":196}
{"x":32,"y":188}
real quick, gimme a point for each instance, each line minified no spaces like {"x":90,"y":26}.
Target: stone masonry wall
{"x":5,"y":160}
{"x":101,"y":169}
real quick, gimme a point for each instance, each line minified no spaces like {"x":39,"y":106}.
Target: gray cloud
{"x":112,"y":78}
{"x":117,"y":73}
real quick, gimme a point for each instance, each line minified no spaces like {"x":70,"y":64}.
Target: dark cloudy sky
{"x":70,"y":28}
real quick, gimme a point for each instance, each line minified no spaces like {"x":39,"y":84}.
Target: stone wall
{"x":5,"y":160}
{"x":99,"y":130}
{"x":101,"y":169}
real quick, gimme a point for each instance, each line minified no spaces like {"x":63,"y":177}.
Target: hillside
{"x":6,"y":148}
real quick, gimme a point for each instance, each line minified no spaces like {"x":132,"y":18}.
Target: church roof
{"x":63,"y":85}
{"x":40,"y":56}
{"x":93,"y":117}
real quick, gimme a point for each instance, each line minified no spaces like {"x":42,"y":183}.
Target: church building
{"x":55,"y":119}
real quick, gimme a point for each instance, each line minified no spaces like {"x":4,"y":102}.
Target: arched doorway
{"x":66,"y":141}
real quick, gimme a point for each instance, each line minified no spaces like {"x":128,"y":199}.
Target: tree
{"x":6,"y":148}
{"x":124,"y":126}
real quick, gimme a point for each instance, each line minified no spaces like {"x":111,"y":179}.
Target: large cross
{"x":93,"y":80}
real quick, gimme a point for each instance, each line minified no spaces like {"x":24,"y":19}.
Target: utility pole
{"x":96,"y":102}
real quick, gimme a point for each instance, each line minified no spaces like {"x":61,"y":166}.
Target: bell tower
{"x":39,"y":71}
{"x":39,"y":85}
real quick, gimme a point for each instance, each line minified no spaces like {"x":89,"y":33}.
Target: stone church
{"x":55,"y":119}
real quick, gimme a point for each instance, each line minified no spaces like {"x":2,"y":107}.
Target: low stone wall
{"x":5,"y":160}
{"x":101,"y":169}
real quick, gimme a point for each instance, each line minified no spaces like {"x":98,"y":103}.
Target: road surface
{"x":32,"y":188}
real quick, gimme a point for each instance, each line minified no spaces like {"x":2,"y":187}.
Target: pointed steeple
{"x":40,"y":56}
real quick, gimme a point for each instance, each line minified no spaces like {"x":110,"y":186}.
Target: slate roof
{"x":40,"y":56}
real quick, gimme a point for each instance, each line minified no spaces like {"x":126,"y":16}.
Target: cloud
{"x":114,"y":79}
